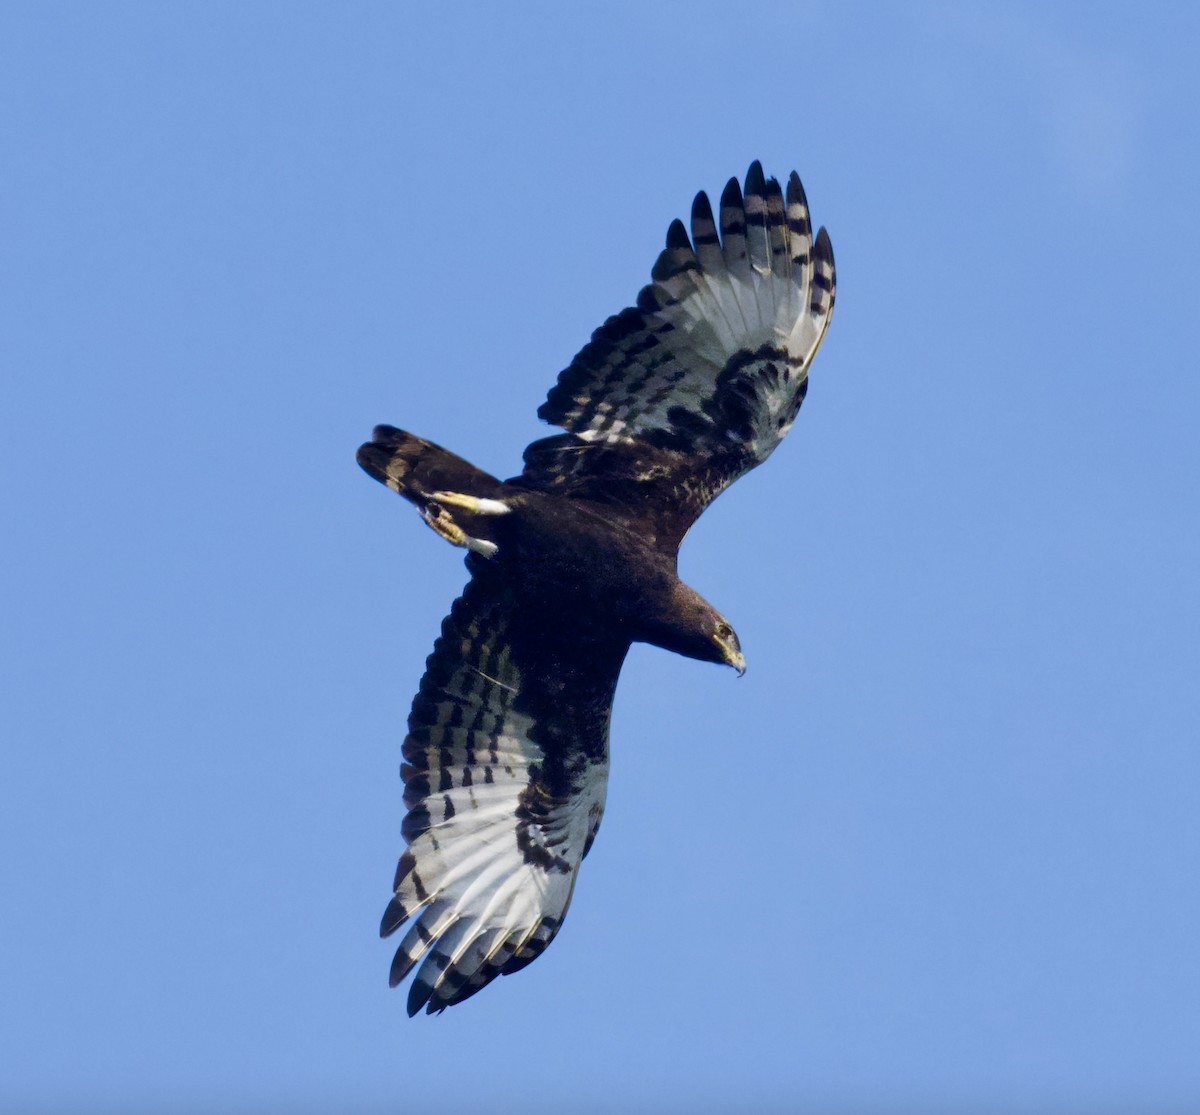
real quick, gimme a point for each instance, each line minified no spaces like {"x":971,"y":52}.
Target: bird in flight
{"x":506,"y":760}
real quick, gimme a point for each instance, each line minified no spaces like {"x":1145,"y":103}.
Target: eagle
{"x":505,"y":765}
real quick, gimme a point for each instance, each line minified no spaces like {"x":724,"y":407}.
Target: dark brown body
{"x":563,"y":556}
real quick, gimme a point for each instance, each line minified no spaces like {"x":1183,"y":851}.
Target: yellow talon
{"x":439,"y":520}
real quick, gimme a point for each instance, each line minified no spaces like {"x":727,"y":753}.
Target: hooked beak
{"x":733,"y":656}
{"x":727,"y":643}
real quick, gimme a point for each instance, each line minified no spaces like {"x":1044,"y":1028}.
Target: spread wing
{"x":675,"y":398}
{"x":506,"y":766}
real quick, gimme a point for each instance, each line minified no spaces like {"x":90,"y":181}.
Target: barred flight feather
{"x":707,"y":372}
{"x":494,"y":846}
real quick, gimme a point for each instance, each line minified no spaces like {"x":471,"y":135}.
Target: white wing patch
{"x":493,"y":852}
{"x":715,"y":355}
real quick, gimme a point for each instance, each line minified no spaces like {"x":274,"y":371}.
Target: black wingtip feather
{"x":731,"y":196}
{"x":755,"y":182}
{"x":401,"y":965}
{"x":418,"y":996}
{"x":825,"y":245}
{"x":393,"y":917}
{"x":824,"y":250}
{"x":704,"y":226}
{"x":677,"y":236}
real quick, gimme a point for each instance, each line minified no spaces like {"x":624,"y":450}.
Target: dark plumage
{"x":506,"y":758}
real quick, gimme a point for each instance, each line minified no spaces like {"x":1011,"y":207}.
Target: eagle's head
{"x":730,"y":650}
{"x":681,"y":620}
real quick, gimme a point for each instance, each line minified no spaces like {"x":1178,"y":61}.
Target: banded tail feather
{"x":455,"y":498}
{"x":415,"y":468}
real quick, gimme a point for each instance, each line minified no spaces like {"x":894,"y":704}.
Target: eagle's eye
{"x":724,"y":630}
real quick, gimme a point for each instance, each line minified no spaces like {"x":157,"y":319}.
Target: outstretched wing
{"x":674,"y":398}
{"x":506,"y":766}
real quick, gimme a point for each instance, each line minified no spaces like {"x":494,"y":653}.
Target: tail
{"x":456,"y":499}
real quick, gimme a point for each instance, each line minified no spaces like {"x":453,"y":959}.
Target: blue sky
{"x":938,"y":849}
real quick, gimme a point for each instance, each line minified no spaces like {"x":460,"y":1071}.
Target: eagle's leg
{"x":440,"y":520}
{"x":473,"y":504}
